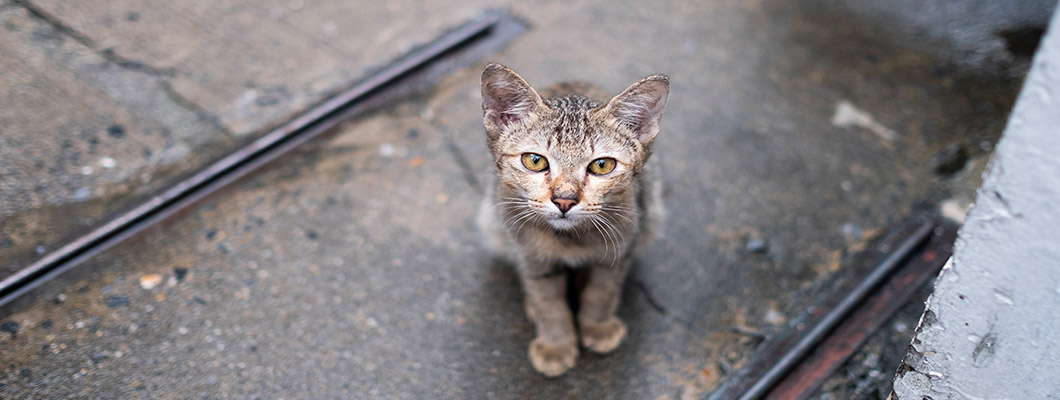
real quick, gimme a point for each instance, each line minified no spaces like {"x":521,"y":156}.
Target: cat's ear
{"x":640,"y":106}
{"x":506,"y":98}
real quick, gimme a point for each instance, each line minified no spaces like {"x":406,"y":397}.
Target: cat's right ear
{"x":506,"y":99}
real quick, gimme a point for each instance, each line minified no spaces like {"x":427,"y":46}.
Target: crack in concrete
{"x":650,"y":298}
{"x":465,"y":166}
{"x":163,"y":74}
{"x":459,"y":157}
{"x":658,"y":306}
{"x":106,"y":53}
{"x":56,"y":23}
{"x":136,"y":66}
{"x":189,"y":105}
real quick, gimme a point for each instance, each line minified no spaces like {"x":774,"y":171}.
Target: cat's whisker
{"x":618,"y":237}
{"x":529,"y":216}
{"x":618,"y":212}
{"x":506,"y":198}
{"x":515,"y":205}
{"x":509,"y":222}
{"x":610,"y":233}
{"x":521,"y":216}
{"x":592,"y":219}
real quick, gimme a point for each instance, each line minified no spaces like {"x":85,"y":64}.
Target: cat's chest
{"x":569,"y":247}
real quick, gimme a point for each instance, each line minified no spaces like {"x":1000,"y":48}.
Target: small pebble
{"x":311,"y":234}
{"x":107,"y":162}
{"x":25,"y":372}
{"x":10,"y":327}
{"x":774,"y":317}
{"x":60,"y":298}
{"x":150,"y":281}
{"x":954,"y":209}
{"x":757,"y":245}
{"x":852,"y":230}
{"x":82,"y":194}
{"x":387,"y":150}
{"x":103,"y":355}
{"x":117,"y":301}
{"x":949,"y":160}
{"x":180,"y":273}
{"x":116,"y":131}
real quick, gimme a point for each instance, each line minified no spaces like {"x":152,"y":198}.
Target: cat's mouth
{"x":563,"y":222}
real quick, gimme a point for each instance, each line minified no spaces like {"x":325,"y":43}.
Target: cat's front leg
{"x":601,"y":330}
{"x":555,"y":349}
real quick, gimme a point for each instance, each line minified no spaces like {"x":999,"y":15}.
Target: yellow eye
{"x":535,"y":162}
{"x":602,"y":166}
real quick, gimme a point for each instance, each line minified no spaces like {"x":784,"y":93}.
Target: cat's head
{"x":569,"y":159}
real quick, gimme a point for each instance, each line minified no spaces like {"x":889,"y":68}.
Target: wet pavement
{"x":795,"y":133}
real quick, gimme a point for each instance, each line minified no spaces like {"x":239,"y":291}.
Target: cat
{"x":574,"y":191}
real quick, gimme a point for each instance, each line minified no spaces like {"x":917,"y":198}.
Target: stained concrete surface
{"x":80,"y":133}
{"x":353,"y":268}
{"x":104,"y":102}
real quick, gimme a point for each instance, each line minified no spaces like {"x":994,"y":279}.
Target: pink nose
{"x":564,"y":204}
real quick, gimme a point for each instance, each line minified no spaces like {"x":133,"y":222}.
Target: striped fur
{"x":571,"y":125}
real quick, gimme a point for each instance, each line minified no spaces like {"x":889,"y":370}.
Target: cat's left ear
{"x":640,"y":106}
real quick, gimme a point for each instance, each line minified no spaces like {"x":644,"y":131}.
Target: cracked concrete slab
{"x":252,"y":64}
{"x":105,"y":101}
{"x":82,"y":136}
{"x":352,"y":269}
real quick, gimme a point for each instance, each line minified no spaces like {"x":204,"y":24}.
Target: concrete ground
{"x":104,"y":102}
{"x":795,"y":133}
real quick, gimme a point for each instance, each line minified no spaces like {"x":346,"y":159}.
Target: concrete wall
{"x":992,"y":326}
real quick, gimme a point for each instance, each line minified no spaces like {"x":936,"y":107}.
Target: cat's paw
{"x":553,"y":359}
{"x":603,"y":337}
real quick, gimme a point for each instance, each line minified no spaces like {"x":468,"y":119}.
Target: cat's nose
{"x":564,"y":203}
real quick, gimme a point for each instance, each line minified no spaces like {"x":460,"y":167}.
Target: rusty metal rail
{"x":793,"y":363}
{"x":411,"y":74}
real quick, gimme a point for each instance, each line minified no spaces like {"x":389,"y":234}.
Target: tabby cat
{"x":574,"y":192}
